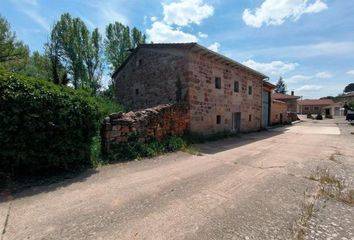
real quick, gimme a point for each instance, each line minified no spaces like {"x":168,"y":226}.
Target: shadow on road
{"x":239,"y":141}
{"x":26,"y":187}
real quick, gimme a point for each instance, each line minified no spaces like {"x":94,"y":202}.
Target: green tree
{"x":349,"y":88}
{"x":78,"y":50}
{"x":93,"y":60}
{"x":11,"y":49}
{"x":37,"y":66}
{"x":281,"y":86}
{"x":119,"y":41}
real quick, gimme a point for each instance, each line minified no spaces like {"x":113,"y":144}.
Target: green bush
{"x":44,"y":128}
{"x":136,"y":150}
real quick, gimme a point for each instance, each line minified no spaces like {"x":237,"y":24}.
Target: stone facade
{"x":151,"y":123}
{"x":279,"y":112}
{"x":207,"y":102}
{"x":152,"y":77}
{"x":202,"y":80}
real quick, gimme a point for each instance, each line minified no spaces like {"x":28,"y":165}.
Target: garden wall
{"x":151,"y":123}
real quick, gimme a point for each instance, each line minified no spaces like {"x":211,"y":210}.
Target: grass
{"x":307,"y":212}
{"x":333,"y":187}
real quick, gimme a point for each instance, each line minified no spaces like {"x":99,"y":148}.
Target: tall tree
{"x":137,"y":37}
{"x":93,"y":60}
{"x":118,"y":43}
{"x":78,"y":50}
{"x":11,"y":49}
{"x":281,"y":86}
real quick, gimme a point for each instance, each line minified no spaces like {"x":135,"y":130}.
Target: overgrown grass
{"x":137,"y":150}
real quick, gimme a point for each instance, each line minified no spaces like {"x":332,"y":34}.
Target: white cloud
{"x":214,"y":47}
{"x":274,"y":68}
{"x":309,"y":88}
{"x":202,"y":35}
{"x":297,"y":78}
{"x":106,"y":12}
{"x":351,"y":72}
{"x":321,"y":49}
{"x":176,"y":15}
{"x":31,"y":9}
{"x":275,"y":12}
{"x":163,"y":33}
{"x":36,"y":17}
{"x":324,"y":75}
{"x":185,"y":12}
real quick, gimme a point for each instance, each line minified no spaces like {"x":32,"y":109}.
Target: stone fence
{"x":152,"y":123}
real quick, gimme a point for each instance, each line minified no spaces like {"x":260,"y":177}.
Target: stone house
{"x":279,"y":112}
{"x":314,"y":106}
{"x":290,"y":100}
{"x":219,"y":93}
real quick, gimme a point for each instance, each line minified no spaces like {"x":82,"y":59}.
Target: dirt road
{"x":257,"y":186}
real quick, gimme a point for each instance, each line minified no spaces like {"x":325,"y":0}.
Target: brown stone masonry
{"x":151,"y":123}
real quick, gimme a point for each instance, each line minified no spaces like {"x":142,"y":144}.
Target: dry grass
{"x":332,"y":186}
{"x":307,"y":212}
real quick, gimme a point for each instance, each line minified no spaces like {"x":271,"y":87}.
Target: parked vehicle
{"x":350,"y":115}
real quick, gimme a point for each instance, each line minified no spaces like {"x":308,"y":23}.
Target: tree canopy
{"x":349,"y":88}
{"x":73,"y":54}
{"x":119,"y":41}
{"x":281,"y":86}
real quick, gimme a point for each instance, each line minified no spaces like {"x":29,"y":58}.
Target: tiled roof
{"x":195,"y":47}
{"x":316,"y":102}
{"x":280,"y":96}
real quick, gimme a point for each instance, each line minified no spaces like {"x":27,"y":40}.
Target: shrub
{"x":44,"y":128}
{"x":135,"y":149}
{"x":319,"y":117}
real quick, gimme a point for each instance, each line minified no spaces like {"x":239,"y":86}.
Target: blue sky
{"x":310,"y":43}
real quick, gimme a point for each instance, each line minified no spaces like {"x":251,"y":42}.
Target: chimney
{"x":292,"y":93}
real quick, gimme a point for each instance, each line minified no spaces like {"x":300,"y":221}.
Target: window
{"x":218,"y":83}
{"x":218,"y":119}
{"x":316,"y":108}
{"x":137,"y":91}
{"x":236,"y":86}
{"x":250,"y":118}
{"x":250,"y":90}
{"x":307,"y":108}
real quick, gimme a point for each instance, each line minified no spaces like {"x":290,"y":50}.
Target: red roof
{"x":280,"y":96}
{"x":315,"y":102}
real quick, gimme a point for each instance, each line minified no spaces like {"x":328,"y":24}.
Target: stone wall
{"x":151,"y":123}
{"x":151,"y":77}
{"x":207,"y":102}
{"x":279,"y":113}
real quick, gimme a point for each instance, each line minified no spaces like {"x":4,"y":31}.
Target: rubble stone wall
{"x":151,"y":123}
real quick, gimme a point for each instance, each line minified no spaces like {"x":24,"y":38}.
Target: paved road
{"x":250,"y":187}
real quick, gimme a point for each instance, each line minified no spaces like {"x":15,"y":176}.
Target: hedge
{"x":44,"y":128}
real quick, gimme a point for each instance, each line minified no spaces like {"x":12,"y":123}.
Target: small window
{"x":236,"y":86}
{"x":250,"y":90}
{"x":137,"y":91}
{"x":316,"y":108}
{"x":250,"y":118}
{"x":218,"y":119}
{"x":218,"y":83}
{"x":307,"y":108}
